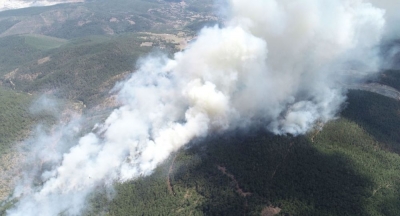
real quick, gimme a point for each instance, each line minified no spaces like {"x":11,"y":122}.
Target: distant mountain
{"x":17,"y":4}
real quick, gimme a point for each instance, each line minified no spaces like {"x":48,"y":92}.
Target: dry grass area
{"x":146,"y":44}
{"x":15,"y":75}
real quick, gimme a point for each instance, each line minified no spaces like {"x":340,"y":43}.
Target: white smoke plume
{"x":392,"y":17}
{"x":279,"y":63}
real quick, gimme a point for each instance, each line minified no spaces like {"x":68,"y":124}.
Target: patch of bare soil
{"x":270,"y":211}
{"x":131,"y":22}
{"x":180,"y":39}
{"x":28,"y":77}
{"x":43,"y":60}
{"x":108,"y":30}
{"x":187,"y":194}
{"x":146,"y":44}
{"x":83,"y":22}
{"x":11,"y":75}
{"x":113,"y":19}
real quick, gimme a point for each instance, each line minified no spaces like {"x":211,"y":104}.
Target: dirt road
{"x":377,"y":88}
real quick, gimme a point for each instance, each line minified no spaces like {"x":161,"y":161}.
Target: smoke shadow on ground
{"x":378,"y":115}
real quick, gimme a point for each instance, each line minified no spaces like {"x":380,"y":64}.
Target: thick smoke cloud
{"x":279,"y":63}
{"x":392,"y":17}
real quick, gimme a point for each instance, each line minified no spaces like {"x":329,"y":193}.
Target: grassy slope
{"x":43,"y":42}
{"x":80,"y":69}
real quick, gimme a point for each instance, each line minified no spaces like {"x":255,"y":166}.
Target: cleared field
{"x":43,"y":42}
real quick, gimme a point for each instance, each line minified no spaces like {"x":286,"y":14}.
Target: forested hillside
{"x":78,"y":52}
{"x":350,"y":167}
{"x":15,"y":120}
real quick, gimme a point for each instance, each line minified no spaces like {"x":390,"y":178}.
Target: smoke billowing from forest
{"x":278,"y":63}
